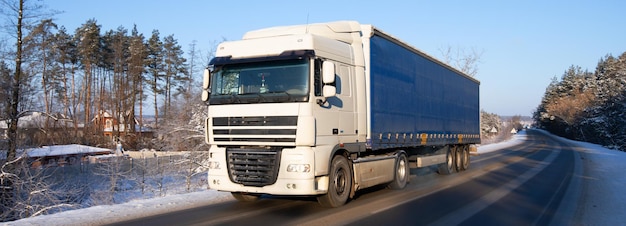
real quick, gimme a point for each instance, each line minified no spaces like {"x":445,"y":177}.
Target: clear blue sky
{"x":524,"y":43}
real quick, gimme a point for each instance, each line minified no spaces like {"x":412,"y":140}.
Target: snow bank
{"x":71,"y":149}
{"x":58,"y":150}
{"x":602,"y":200}
{"x":107,"y":214}
{"x":515,"y":140}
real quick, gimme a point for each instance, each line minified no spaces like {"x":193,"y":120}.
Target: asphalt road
{"x":521,"y":185}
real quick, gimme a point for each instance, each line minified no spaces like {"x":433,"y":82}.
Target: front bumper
{"x":295,"y":174}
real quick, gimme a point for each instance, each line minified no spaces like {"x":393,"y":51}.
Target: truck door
{"x":336,"y":117}
{"x":347,"y":116}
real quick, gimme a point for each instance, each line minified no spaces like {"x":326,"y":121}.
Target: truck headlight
{"x":299,"y":168}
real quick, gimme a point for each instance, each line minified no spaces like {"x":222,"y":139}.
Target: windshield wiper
{"x":261,"y":97}
{"x":289,"y":96}
{"x":234,"y":98}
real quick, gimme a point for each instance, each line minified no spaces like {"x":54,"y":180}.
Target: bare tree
{"x":115,"y":170}
{"x":465,"y":61}
{"x":194,"y":163}
{"x":8,"y":177}
{"x":186,"y":124}
{"x":34,"y":192}
{"x":193,"y":55}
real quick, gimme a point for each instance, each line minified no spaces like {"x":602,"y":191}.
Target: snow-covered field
{"x":603,"y":204}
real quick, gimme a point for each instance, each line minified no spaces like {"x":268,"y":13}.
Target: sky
{"x":523,"y":44}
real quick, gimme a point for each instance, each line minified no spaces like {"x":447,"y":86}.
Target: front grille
{"x":253,"y":167}
{"x":259,"y":130}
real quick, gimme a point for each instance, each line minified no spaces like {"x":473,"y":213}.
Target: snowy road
{"x":566,"y":182}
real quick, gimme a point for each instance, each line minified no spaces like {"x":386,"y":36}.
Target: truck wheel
{"x":401,"y":173}
{"x":449,"y":166}
{"x":466,"y":158}
{"x":244,"y":197}
{"x":458,"y":158}
{"x":340,"y":183}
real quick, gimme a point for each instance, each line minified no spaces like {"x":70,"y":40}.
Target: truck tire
{"x":449,"y":167}
{"x":401,"y":176}
{"x":458,"y":158}
{"x":466,"y":158}
{"x":244,"y":197}
{"x":340,"y":183}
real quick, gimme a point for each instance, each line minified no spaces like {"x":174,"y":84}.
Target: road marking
{"x":464,"y":213}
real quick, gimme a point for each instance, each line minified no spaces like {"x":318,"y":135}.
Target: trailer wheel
{"x":466,"y":158}
{"x":244,"y":197}
{"x":449,"y":167}
{"x":401,"y":176}
{"x":459,"y":158}
{"x":340,"y":183}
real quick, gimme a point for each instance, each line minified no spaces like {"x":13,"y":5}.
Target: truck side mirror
{"x":205,"y":85}
{"x":328,"y":72}
{"x":328,"y":77}
{"x":329,"y":91}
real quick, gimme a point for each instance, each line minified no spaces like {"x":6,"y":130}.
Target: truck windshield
{"x":261,"y":82}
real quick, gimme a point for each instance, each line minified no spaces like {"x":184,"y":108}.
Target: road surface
{"x":530,"y":183}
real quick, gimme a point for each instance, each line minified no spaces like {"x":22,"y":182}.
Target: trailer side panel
{"x":416,"y":101}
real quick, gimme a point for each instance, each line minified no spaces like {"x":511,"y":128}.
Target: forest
{"x":588,"y":106}
{"x":74,"y":80}
{"x":75,"y":77}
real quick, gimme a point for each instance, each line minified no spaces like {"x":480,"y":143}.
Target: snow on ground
{"x":58,"y":150}
{"x":107,"y":214}
{"x":70,"y":149}
{"x":603,"y":204}
{"x":515,"y":140}
{"x":602,"y":200}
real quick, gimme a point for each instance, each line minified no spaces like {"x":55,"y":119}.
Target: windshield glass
{"x":261,"y":82}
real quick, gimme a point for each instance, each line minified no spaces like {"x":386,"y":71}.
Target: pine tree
{"x":175,"y":70}
{"x":39,"y":42}
{"x":588,"y":106}
{"x":88,"y":45}
{"x":155,"y":70}
{"x":136,"y":67}
{"x":67,"y":59}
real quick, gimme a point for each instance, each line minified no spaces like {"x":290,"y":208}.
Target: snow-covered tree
{"x":588,"y":106}
{"x":489,"y":122}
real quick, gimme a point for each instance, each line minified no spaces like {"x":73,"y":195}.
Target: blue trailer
{"x":328,"y":109}
{"x":418,"y":101}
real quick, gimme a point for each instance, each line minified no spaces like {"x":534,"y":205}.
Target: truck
{"x":328,"y":109}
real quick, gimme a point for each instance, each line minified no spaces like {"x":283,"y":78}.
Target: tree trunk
{"x":156,"y":106}
{"x":6,"y":198}
{"x":15,"y":92}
